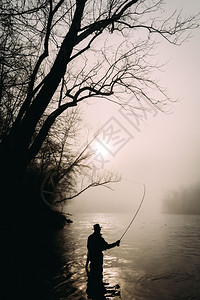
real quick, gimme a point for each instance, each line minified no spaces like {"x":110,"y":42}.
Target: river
{"x":158,"y":258}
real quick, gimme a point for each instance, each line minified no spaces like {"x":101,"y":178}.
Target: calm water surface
{"x":158,"y":258}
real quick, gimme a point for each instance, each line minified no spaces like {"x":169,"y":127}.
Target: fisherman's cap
{"x":97,"y":226}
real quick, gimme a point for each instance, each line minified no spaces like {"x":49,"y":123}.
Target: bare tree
{"x":66,"y":52}
{"x":64,"y":171}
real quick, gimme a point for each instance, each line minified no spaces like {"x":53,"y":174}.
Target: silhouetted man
{"x":96,"y":244}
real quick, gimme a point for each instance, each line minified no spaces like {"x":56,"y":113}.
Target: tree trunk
{"x":19,"y":140}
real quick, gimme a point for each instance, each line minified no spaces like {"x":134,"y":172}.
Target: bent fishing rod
{"x":144,"y":193}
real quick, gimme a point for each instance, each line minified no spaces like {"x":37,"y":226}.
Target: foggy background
{"x":162,"y":151}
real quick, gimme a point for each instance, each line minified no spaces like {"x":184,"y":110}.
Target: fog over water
{"x":162,"y":150}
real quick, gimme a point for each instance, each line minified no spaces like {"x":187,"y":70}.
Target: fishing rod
{"x":144,"y":193}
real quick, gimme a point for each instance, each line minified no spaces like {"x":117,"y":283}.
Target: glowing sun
{"x":100,"y":149}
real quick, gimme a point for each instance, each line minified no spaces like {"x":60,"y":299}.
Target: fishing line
{"x":144,"y":193}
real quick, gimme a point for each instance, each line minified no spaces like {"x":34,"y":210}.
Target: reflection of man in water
{"x":96,"y":244}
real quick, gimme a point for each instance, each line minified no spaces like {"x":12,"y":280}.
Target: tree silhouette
{"x":185,"y":200}
{"x":56,"y":54}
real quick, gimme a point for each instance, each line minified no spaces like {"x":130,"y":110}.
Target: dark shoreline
{"x":30,"y":258}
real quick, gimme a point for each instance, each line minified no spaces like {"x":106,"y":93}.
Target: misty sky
{"x":163,"y":151}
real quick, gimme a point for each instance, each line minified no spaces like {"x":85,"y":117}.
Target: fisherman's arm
{"x":117,"y":243}
{"x":109,"y":246}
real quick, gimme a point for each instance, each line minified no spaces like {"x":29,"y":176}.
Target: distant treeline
{"x":186,"y":200}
